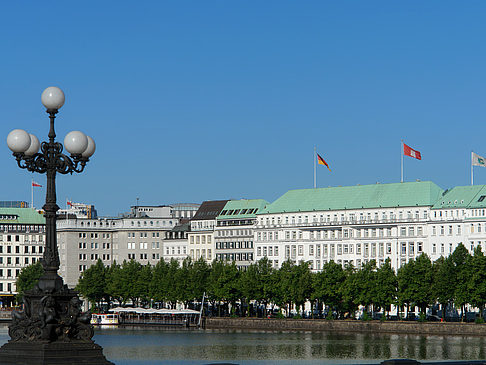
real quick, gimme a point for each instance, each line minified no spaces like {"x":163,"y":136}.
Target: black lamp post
{"x":51,"y":329}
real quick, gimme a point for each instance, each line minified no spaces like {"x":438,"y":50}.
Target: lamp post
{"x":51,"y":329}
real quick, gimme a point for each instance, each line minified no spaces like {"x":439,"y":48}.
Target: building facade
{"x":233,"y":234}
{"x":175,"y":243}
{"x":349,"y":225}
{"x":22,"y":242}
{"x":201,"y":235}
{"x":139,"y":236}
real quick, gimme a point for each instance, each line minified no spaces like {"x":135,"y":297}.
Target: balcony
{"x":334,"y":223}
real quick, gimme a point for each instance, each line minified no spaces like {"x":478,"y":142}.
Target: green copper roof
{"x":244,"y":208}
{"x":410,"y":194}
{"x":473,"y":196}
{"x":21,"y":216}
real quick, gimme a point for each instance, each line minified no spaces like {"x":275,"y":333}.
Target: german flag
{"x":321,"y":161}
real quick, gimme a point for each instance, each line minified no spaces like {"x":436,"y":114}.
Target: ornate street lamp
{"x":51,"y":329}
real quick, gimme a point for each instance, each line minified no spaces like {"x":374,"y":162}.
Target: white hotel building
{"x":355,"y":224}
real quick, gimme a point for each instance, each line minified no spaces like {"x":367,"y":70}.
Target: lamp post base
{"x":54,"y":353}
{"x":51,"y":330}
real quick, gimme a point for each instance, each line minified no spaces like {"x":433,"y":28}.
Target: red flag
{"x":36,"y":185}
{"x":69,"y":203}
{"x":407,"y":151}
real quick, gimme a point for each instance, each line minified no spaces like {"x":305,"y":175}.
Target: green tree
{"x":386,"y":286}
{"x":349,"y":291}
{"x":250,"y":284}
{"x":142,"y":284}
{"x":405,"y":277}
{"x":415,"y":283}
{"x":158,"y":285}
{"x":461,"y":259}
{"x":130,"y":271}
{"x":328,"y":283}
{"x":198,"y":279}
{"x":283,"y":284}
{"x":365,"y":282}
{"x":171,"y":283}
{"x":92,"y":283}
{"x":423,"y":295}
{"x":301,"y":285}
{"x":444,"y":282}
{"x":28,"y":278}
{"x":116,"y":284}
{"x":477,"y":281}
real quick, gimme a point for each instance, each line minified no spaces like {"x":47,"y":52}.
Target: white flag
{"x":478,"y":160}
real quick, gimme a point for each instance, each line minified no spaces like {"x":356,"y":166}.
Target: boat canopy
{"x":152,"y":311}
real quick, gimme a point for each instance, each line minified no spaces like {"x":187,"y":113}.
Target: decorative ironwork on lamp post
{"x":51,"y":329}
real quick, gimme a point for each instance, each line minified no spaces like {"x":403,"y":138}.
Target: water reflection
{"x":137,"y":346}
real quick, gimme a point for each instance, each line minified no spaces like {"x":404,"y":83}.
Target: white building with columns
{"x":349,"y":225}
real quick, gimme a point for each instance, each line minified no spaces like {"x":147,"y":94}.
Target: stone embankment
{"x":5,"y":316}
{"x":424,"y":328}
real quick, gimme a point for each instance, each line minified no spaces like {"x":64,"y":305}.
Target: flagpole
{"x":315,"y":181}
{"x":32,"y":193}
{"x":472,"y":173}
{"x":401,"y":154}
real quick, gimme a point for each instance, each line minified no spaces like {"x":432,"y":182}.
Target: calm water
{"x":142,"y":346}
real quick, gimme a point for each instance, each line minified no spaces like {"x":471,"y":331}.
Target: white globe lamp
{"x":18,"y":140}
{"x":52,"y":98}
{"x":76,"y":142}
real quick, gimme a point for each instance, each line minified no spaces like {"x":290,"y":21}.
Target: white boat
{"x":98,"y":318}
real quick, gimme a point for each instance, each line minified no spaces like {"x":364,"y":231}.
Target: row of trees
{"x":458,"y":280}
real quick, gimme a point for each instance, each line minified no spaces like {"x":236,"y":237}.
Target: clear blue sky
{"x":198,"y":100}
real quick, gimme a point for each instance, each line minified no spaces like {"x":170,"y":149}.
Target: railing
{"x":344,"y":222}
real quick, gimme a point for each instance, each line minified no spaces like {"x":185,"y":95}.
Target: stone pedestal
{"x":51,"y":330}
{"x":54,"y":353}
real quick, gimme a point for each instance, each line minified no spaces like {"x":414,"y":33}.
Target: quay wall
{"x":273,"y":324}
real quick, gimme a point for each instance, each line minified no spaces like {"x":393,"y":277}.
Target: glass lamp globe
{"x":88,"y":152}
{"x":18,"y":140}
{"x":52,"y":98}
{"x":34,"y":146}
{"x":76,"y":142}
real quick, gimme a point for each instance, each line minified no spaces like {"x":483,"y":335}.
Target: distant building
{"x":201,"y":235}
{"x":79,"y":210}
{"x":179,"y":210}
{"x":22,"y":241}
{"x":14,"y":204}
{"x":175,"y":243}
{"x":138,"y":236}
{"x":233,"y":233}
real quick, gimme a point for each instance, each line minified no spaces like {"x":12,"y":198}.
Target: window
{"x":403,"y":248}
